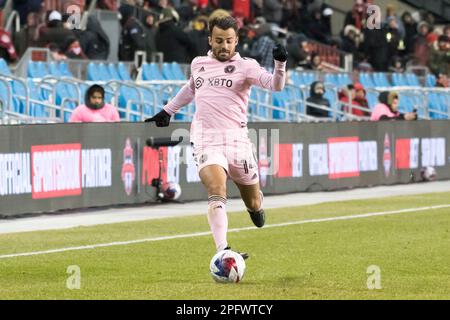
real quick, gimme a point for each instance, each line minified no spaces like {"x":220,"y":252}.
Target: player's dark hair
{"x":224,"y":23}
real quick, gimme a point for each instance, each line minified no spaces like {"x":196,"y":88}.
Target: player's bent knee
{"x":254,"y":204}
{"x":217,"y":189}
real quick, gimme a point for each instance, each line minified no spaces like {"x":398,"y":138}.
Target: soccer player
{"x":220,"y":84}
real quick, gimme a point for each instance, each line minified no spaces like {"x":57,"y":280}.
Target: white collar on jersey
{"x":236,"y":56}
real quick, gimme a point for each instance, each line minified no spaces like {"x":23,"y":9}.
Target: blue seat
{"x":399,"y":79}
{"x":64,"y":69}
{"x":36,"y":69}
{"x":430,"y":81}
{"x":4,"y":101}
{"x":412,"y":80}
{"x":129,"y":95}
{"x":104,"y":73}
{"x":54,"y":69}
{"x":150,"y":71}
{"x":366,"y":80}
{"x":4,"y":69}
{"x":343,"y":79}
{"x":167,"y":71}
{"x":331,"y":78}
{"x":19,"y":89}
{"x":123,"y":72}
{"x":113,"y":72}
{"x":177,"y":72}
{"x":380,"y":79}
{"x":279,"y":99}
{"x":92,"y":72}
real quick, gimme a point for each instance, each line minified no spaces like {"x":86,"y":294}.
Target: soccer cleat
{"x":258,"y":217}
{"x":244,"y":255}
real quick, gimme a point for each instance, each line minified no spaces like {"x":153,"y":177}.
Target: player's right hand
{"x":162,"y":119}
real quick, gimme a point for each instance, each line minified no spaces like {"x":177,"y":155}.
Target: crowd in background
{"x":178,"y":28}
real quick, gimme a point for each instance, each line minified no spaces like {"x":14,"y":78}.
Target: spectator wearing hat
{"x":171,"y":40}
{"x":410,"y":31}
{"x":421,"y":48}
{"x":54,"y":31}
{"x":317,"y":91}
{"x":439,"y":62}
{"x":387,"y":108}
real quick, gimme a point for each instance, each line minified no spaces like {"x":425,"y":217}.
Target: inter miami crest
{"x":199,"y":82}
{"x":229,"y":69}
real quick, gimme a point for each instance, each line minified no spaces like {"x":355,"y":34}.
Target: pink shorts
{"x":239,"y":160}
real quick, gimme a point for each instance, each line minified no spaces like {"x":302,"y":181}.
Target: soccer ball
{"x":227,"y":266}
{"x":428,"y":173}
{"x":171,"y":190}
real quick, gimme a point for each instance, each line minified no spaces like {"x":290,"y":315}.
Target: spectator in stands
{"x":54,"y":31}
{"x":356,"y":96}
{"x":387,"y":109}
{"x":150,"y":28}
{"x":24,"y":7}
{"x":298,"y":52}
{"x":447,"y":31}
{"x":440,"y":58}
{"x":95,"y":109}
{"x":397,"y":65}
{"x":133,"y":34}
{"x":318,"y":29}
{"x":357,"y":16}
{"x":72,"y":49}
{"x":94,"y":41}
{"x":199,"y":35}
{"x":393,"y":37}
{"x":107,"y":4}
{"x":410,"y":31}
{"x":421,"y":47}
{"x":262,"y":46}
{"x":172,"y":40}
{"x":7,"y":50}
{"x":315,"y":62}
{"x":273,"y":11}
{"x":442,"y":80}
{"x":351,"y":40}
{"x":317,"y":91}
{"x":391,"y":13}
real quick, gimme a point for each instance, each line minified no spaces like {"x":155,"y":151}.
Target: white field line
{"x":200,"y":234}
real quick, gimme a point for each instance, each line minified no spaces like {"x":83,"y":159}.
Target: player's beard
{"x":219,"y":57}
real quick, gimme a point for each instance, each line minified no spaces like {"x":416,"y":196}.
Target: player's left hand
{"x":162,"y":119}
{"x":279,"y":53}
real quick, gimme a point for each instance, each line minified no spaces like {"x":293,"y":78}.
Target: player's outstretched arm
{"x":273,"y":81}
{"x":183,"y":97}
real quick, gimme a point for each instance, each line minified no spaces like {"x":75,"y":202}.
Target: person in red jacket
{"x":357,"y":98}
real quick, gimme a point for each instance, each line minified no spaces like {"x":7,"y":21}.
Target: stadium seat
{"x":150,"y":71}
{"x":104,"y":73}
{"x":64,"y":69}
{"x":114,"y":72}
{"x":430,"y":81}
{"x":366,"y":80}
{"x":123,"y":72}
{"x":399,"y":79}
{"x":380,"y":79}
{"x":177,"y":72}
{"x":92,"y":71}
{"x":37,"y":69}
{"x":412,"y":80}
{"x":54,"y":69}
{"x":4,"y":101}
{"x":4,"y":69}
{"x":167,"y":71}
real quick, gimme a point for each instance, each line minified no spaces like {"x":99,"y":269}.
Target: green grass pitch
{"x":318,"y":260}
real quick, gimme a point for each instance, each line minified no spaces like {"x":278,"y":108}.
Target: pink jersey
{"x":82,"y":113}
{"x":382,"y":110}
{"x":221,"y":91}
